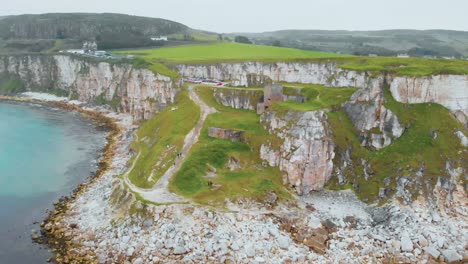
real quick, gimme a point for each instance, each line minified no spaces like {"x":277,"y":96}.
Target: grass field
{"x":317,"y":97}
{"x":161,"y":138}
{"x":236,"y":52}
{"x":406,"y":66}
{"x":414,"y":150}
{"x":212,"y":155}
{"x":226,"y":52}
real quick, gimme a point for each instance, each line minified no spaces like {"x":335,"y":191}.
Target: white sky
{"x":268,"y":15}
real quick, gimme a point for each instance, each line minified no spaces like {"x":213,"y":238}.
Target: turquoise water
{"x":44,"y":154}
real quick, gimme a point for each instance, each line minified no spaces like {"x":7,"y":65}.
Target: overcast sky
{"x":268,"y":15}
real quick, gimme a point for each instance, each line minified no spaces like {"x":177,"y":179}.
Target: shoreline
{"x":51,"y":238}
{"x":95,"y":225}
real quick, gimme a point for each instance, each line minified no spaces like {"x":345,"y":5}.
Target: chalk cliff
{"x":447,"y":90}
{"x":307,"y":152}
{"x":139,"y":92}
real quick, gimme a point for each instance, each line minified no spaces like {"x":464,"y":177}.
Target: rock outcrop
{"x":379,"y":126}
{"x":450,"y":91}
{"x":307,"y":152}
{"x":447,"y":90}
{"x":139,"y":92}
{"x":236,"y":98}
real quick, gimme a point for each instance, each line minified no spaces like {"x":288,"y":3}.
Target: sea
{"x":44,"y":154}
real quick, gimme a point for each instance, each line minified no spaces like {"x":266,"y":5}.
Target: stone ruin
{"x":229,"y":134}
{"x":274,"y":93}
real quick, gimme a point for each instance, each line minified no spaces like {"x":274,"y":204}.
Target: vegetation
{"x":236,"y":52}
{"x":406,"y":66}
{"x":12,"y":87}
{"x":210,"y":156}
{"x":415,"y":150}
{"x":242,"y":39}
{"x":110,"y":30}
{"x":161,"y":138}
{"x":195,"y":36}
{"x":317,"y":97}
{"x":382,"y":43}
{"x":225,"y":52}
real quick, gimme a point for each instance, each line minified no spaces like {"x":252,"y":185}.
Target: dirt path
{"x":160,"y":192}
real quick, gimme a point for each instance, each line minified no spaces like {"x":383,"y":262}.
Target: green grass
{"x":406,"y":66}
{"x":251,"y":181}
{"x":197,"y":36}
{"x":317,"y":97}
{"x":168,"y":128}
{"x":154,"y":66}
{"x":13,"y":87}
{"x":413,"y":150}
{"x":226,"y":52}
{"x":236,"y":52}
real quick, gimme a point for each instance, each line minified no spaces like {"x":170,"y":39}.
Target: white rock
{"x":260,"y":260}
{"x":379,"y":237}
{"x":432,"y":251}
{"x":423,"y":241}
{"x":283,"y":242}
{"x":178,"y":250}
{"x":406,"y":243}
{"x":130,"y":251}
{"x":435,"y":216}
{"x":440,"y":241}
{"x":138,"y":261}
{"x":249,"y":250}
{"x":451,"y":255}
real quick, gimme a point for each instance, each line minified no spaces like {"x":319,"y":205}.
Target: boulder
{"x":451,"y":255}
{"x":406,"y":243}
{"x":432,"y":251}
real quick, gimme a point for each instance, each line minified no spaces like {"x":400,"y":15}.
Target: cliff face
{"x":447,"y":90}
{"x":238,"y":99}
{"x":450,"y":91}
{"x":306,"y":156}
{"x":139,"y":92}
{"x":307,"y":152}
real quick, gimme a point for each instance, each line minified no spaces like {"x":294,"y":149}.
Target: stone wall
{"x":229,"y":134}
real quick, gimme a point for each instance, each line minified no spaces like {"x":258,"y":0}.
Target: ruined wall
{"x":228,"y":134}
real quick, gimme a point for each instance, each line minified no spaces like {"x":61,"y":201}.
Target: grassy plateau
{"x":218,"y":52}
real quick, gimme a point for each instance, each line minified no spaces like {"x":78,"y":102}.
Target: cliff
{"x":307,"y":152}
{"x":237,"y":98}
{"x":139,"y":92}
{"x":447,"y":90}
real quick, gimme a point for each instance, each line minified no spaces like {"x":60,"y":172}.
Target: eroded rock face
{"x":238,"y":99}
{"x":367,"y":112}
{"x":450,"y":91}
{"x":241,"y":73}
{"x":139,"y":92}
{"x":307,"y":152}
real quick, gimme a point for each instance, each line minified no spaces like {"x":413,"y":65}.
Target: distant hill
{"x":384,"y":43}
{"x":109,"y":30}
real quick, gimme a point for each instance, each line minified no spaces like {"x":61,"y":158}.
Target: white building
{"x":160,"y":38}
{"x":75,"y":51}
{"x":403,"y":55}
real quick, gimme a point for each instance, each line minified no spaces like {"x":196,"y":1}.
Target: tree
{"x":242,"y":39}
{"x":220,"y":37}
{"x":276,"y":43}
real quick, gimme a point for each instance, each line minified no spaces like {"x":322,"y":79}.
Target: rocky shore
{"x":103,"y":223}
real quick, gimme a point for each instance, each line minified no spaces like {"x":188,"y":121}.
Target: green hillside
{"x":226,"y":52}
